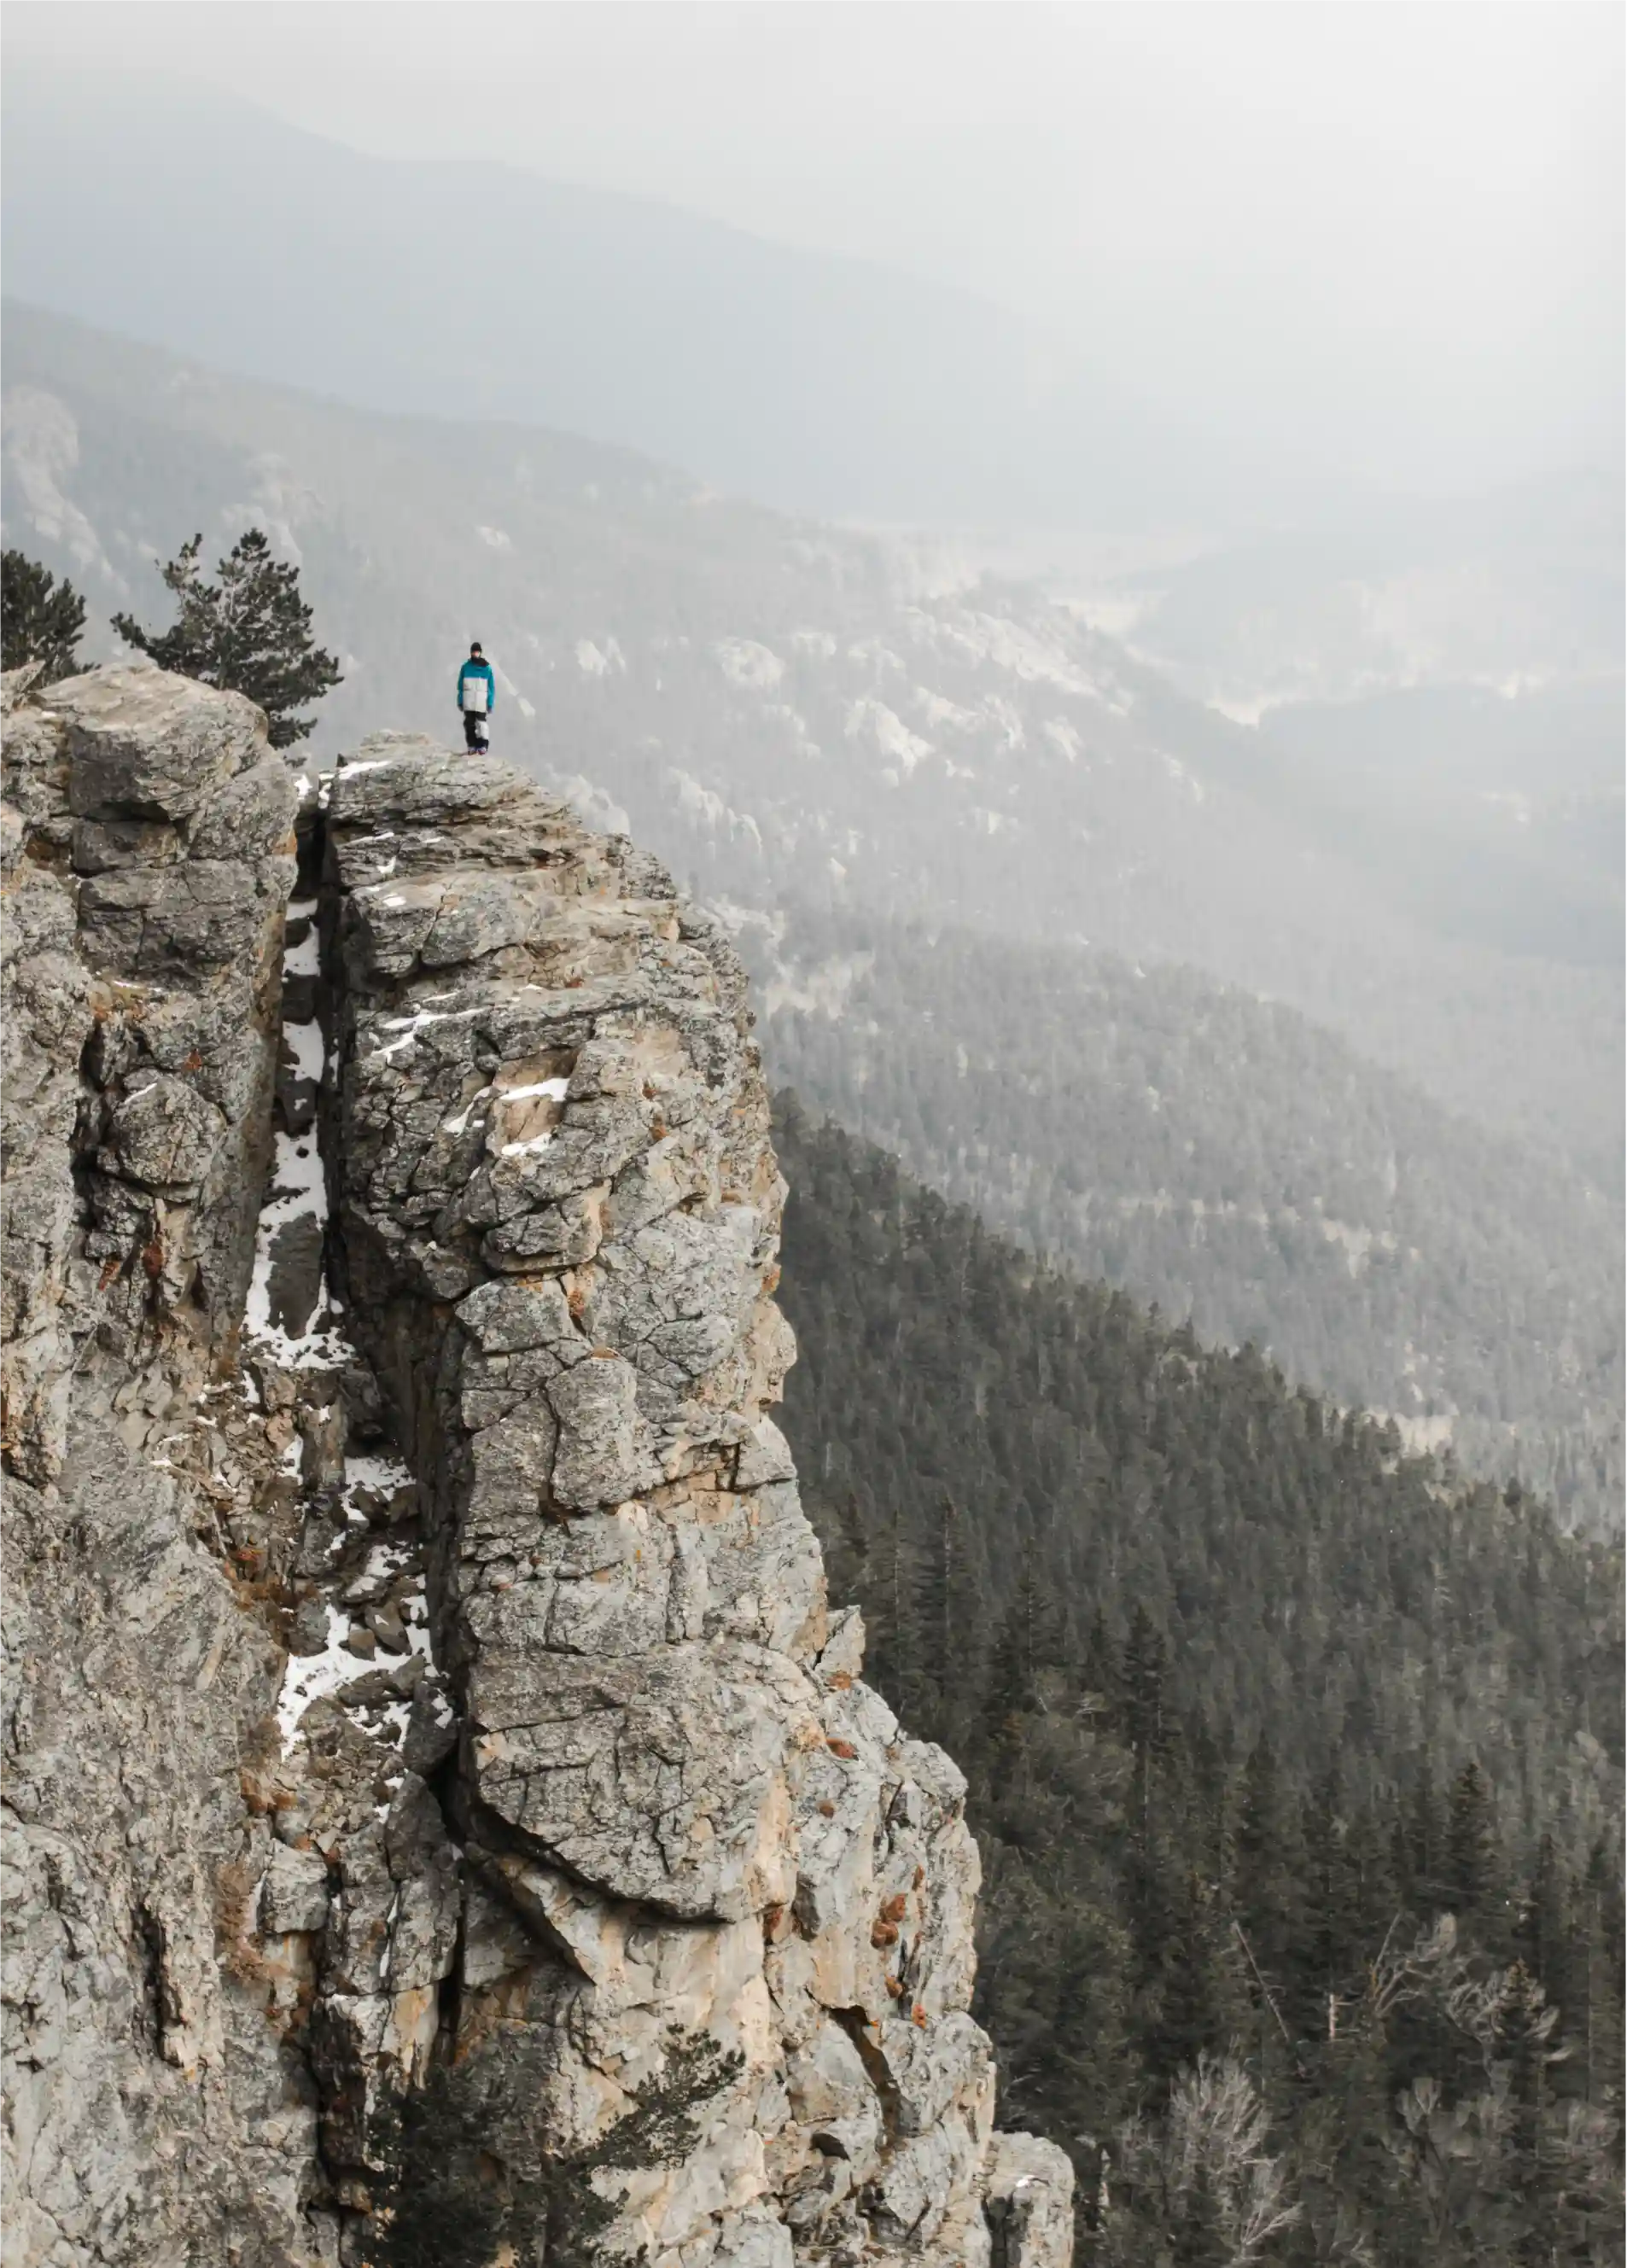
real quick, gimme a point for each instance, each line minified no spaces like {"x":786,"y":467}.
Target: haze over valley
{"x":1046,"y":903}
{"x":796,"y":717}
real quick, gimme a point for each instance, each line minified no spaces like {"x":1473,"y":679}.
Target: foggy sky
{"x":1387,"y":236}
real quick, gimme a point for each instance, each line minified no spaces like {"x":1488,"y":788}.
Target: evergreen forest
{"x":1294,"y":1759}
{"x":1230,"y":1159}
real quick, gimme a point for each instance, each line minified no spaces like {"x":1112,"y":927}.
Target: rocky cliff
{"x":445,"y":1821}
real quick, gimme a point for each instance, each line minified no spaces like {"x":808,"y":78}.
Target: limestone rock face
{"x":152,"y":2113}
{"x":510,"y":1858}
{"x":147,"y":856}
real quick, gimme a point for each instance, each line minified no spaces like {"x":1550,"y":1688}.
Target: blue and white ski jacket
{"x":481,"y":670}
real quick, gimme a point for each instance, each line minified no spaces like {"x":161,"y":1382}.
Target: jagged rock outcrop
{"x":150,"y":2113}
{"x":512,"y":1858}
{"x":148,"y":853}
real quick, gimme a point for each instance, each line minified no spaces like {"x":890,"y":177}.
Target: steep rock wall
{"x":151,"y":2112}
{"x":148,"y":851}
{"x":559,"y":1889}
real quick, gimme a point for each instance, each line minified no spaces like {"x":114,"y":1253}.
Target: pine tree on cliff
{"x":41,"y":619}
{"x":249,"y":633}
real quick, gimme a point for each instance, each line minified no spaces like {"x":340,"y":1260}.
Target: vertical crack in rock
{"x":363,"y":1887}
{"x":445,"y":1818}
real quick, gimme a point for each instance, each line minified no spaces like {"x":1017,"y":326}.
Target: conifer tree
{"x":936,"y":1585}
{"x":1091,"y":2028}
{"x":1198,"y":2001}
{"x":1542,"y":1925}
{"x":1014,"y":1665}
{"x":1330,"y":1952}
{"x":41,"y":619}
{"x":1472,"y":1866}
{"x":1601,"y":1942}
{"x":249,"y":633}
{"x":947,"y":1634}
{"x":888,"y":1607}
{"x":1266,"y":1862}
{"x":1148,"y":1728}
{"x":1419,"y":1845}
{"x":1099,"y":1666}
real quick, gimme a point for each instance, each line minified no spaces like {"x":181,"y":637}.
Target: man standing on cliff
{"x":477,"y":697}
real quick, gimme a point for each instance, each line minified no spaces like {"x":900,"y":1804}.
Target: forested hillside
{"x":1233,"y":1162}
{"x":1295,"y":1761}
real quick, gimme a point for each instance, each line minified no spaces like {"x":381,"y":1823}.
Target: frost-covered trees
{"x":1202,"y":2174}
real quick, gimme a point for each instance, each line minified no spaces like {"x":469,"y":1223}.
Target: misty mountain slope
{"x":1493,"y":818}
{"x":1436,"y":686}
{"x":1488,"y":819}
{"x":1233,"y":1162}
{"x":1512,"y":591}
{"x":196,"y":221}
{"x":775,"y":707}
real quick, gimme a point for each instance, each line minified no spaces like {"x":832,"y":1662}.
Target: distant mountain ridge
{"x":477,"y":290}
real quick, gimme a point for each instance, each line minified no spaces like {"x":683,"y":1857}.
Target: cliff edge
{"x":445,"y":1821}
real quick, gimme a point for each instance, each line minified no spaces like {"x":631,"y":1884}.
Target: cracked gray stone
{"x":641,"y":1801}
